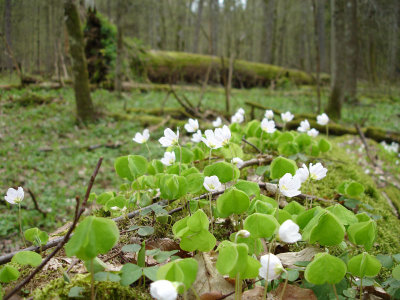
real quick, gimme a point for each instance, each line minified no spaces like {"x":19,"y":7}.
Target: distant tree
{"x":351,"y":51}
{"x":84,"y":105}
{"x":198,"y":26}
{"x":336,"y":98}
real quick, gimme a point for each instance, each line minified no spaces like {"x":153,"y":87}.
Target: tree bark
{"x":321,"y":33}
{"x":7,"y":30}
{"x":352,"y":51}
{"x":214,"y":14}
{"x":267,"y":40}
{"x":197,"y":28}
{"x":84,"y":105}
{"x":118,"y":60}
{"x":336,"y":98}
{"x":317,"y":53}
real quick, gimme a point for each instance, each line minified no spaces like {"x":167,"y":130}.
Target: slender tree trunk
{"x":118,"y":60}
{"x":317,"y":53}
{"x":197,"y":27}
{"x":336,"y":98}
{"x":7,"y":30}
{"x":84,"y":105}
{"x":333,"y":47}
{"x":267,"y":40}
{"x":321,"y":33}
{"x":352,"y":51}
{"x":214,"y":14}
{"x":282,"y":33}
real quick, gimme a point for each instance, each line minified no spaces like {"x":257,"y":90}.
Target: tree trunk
{"x":118,"y":60}
{"x":332,"y":50}
{"x":336,"y":98}
{"x":84,"y":105}
{"x":7,"y":30}
{"x":352,"y":51}
{"x":267,"y":31}
{"x":321,"y":33}
{"x":197,"y":28}
{"x":317,"y":53}
{"x":214,"y":14}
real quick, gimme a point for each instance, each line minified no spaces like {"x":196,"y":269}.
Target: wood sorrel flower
{"x":323,"y":119}
{"x":170,"y":138}
{"x":223,"y":135}
{"x":289,"y":232}
{"x":304,"y":126}
{"x":168,"y":159}
{"x":211,"y":140}
{"x":163,"y":290}
{"x":14,"y":196}
{"x":196,"y":137}
{"x":313,"y":132}
{"x":317,"y":171}
{"x":141,"y":138}
{"x":237,"y":118}
{"x":211,"y":183}
{"x":302,"y":173}
{"x":289,"y":185}
{"x":287,"y":116}
{"x":268,"y":126}
{"x":237,"y":161}
{"x":192,"y":125}
{"x":269,"y":114}
{"x":271,"y":267}
{"x":217,"y":122}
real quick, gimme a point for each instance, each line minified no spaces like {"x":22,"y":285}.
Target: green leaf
{"x":364,"y":265}
{"x":187,"y":155}
{"x":314,"y":149}
{"x":141,"y":257}
{"x":324,"y":145}
{"x":36,"y":236}
{"x":223,"y":170}
{"x":121,"y":166}
{"x":155,"y":167}
{"x":288,"y":149}
{"x":325,"y":229}
{"x":145,"y":230}
{"x":396,"y":272}
{"x":180,"y":227}
{"x":305,"y":217}
{"x":104,"y":197}
{"x":253,"y":129}
{"x":173,"y":187}
{"x":292,"y":275}
{"x":386,"y":260}
{"x":98,"y":265}
{"x":191,"y":170}
{"x":27,"y":258}
{"x":346,"y":216}
{"x":249,"y":187}
{"x":260,"y":225}
{"x":280,"y":166}
{"x":232,"y":201}
{"x":363,"y":233}
{"x":195,"y":182}
{"x":8,"y":274}
{"x":93,"y":236}
{"x":294,"y":208}
{"x":198,"y":221}
{"x":285,"y":138}
{"x":130,"y":273}
{"x":76,"y":292}
{"x":231,"y":257}
{"x":164,"y":255}
{"x":354,"y":189}
{"x":254,"y":245}
{"x":180,"y":270}
{"x":151,"y":272}
{"x":316,"y":271}
{"x":231,"y":151}
{"x":106,"y":276}
{"x":282,"y":215}
{"x":303,"y":141}
{"x":202,"y":240}
{"x":118,"y":201}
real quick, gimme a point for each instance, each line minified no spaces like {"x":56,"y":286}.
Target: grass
{"x":57,"y":177}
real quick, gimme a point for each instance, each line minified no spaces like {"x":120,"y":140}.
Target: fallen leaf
{"x":293,"y":292}
{"x":289,"y":258}
{"x":254,"y":294}
{"x":211,"y":296}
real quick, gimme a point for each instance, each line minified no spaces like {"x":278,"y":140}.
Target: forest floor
{"x":44,"y":150}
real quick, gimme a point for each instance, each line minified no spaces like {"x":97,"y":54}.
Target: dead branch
{"x":252,"y":145}
{"x":361,"y":134}
{"x":35,"y":203}
{"x":79,"y":209}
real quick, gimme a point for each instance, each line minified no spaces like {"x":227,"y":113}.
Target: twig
{"x":35,"y":203}
{"x":204,"y":85}
{"x":254,"y":146}
{"x":361,"y":134}
{"x":79,"y":209}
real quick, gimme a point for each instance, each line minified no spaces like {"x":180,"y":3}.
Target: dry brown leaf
{"x":211,"y":296}
{"x":293,"y":292}
{"x":208,"y":278}
{"x":255,"y":294}
{"x":289,"y":258}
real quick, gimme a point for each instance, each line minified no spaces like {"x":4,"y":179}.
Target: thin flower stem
{"x":278,"y":195}
{"x":20,"y":223}
{"x":327,"y":130}
{"x":180,"y":159}
{"x":334,"y":290}
{"x":209,"y":158}
{"x":361,"y":288}
{"x":195,"y":293}
{"x":92,"y":279}
{"x":233,"y":169}
{"x":261,"y":139}
{"x":211,"y":213}
{"x":284,"y":287}
{"x":148,"y":149}
{"x":284,"y":126}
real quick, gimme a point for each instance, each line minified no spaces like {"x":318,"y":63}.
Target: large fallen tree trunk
{"x":172,"y":67}
{"x":373,"y":133}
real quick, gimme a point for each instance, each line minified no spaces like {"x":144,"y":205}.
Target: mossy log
{"x":373,"y":133}
{"x":172,"y":67}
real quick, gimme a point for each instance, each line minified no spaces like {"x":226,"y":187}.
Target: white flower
{"x":115,"y":208}
{"x":237,"y":118}
{"x":217,"y":122}
{"x":393,"y":147}
{"x":304,"y":126}
{"x":192,"y":125}
{"x":289,"y":232}
{"x":142,"y":138}
{"x":269,"y":114}
{"x":223,"y":135}
{"x":240,"y":111}
{"x":268,"y":126}
{"x":287,"y":117}
{"x":302,"y":173}
{"x":196,"y":138}
{"x":211,"y":183}
{"x":168,"y":159}
{"x":237,"y":161}
{"x":14,"y":196}
{"x":323,"y":119}
{"x":271,"y":267}
{"x":289,"y":185}
{"x":163,"y":290}
{"x":317,"y":171}
{"x":211,"y":140}
{"x":243,"y":233}
{"x":313,"y":132}
{"x":170,"y":138}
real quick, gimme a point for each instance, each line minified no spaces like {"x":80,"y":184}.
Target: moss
{"x":59,"y":289}
{"x":394,"y":195}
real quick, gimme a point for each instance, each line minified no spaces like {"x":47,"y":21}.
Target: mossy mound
{"x":173,"y":67}
{"x":105,"y":290}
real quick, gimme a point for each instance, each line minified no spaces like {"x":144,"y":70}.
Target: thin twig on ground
{"x":252,"y":145}
{"x":361,"y":134}
{"x":35,"y":203}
